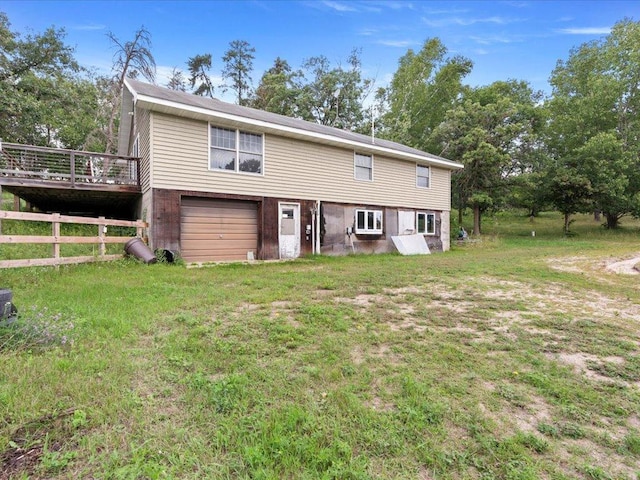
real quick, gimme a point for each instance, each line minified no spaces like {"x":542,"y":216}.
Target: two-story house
{"x":225,"y":182}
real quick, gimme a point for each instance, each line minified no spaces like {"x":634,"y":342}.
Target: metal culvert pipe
{"x":139,"y":249}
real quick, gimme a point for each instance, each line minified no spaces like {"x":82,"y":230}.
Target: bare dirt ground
{"x":627,"y":267}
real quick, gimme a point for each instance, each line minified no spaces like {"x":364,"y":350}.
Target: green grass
{"x":513,"y":357}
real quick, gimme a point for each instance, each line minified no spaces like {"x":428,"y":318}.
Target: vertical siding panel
{"x":144,"y":147}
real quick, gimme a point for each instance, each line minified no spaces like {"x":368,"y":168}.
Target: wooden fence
{"x":56,"y":239}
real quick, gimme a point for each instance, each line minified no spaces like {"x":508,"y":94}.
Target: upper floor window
{"x":369,"y":222}
{"x":363,"y":167}
{"x":426,"y":223}
{"x":236,"y":151}
{"x":423,"y":176}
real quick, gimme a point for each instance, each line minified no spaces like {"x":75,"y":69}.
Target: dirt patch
{"x":626,"y":267}
{"x":363,"y":300}
{"x":22,"y":458}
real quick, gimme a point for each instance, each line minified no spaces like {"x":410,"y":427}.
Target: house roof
{"x":185,"y":104}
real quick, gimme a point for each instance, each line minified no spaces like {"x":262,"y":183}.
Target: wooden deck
{"x":71,"y":181}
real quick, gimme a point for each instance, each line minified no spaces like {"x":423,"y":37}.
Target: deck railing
{"x":68,"y":166}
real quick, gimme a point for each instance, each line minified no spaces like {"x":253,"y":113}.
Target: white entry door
{"x":289,"y":230}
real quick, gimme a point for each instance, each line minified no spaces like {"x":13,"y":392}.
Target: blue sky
{"x":505,"y":39}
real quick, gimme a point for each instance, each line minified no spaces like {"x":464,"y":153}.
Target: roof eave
{"x":167,"y":106}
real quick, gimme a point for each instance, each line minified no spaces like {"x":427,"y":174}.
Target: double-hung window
{"x":423,"y":176}
{"x":363,"y":167}
{"x":426,"y":223}
{"x":235,"y":151}
{"x":369,"y":222}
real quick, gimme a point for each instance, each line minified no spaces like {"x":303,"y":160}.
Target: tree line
{"x":574,"y":150}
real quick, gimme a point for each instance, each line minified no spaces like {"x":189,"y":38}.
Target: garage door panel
{"x":218,"y":230}
{"x":220,"y":233}
{"x":225,"y":213}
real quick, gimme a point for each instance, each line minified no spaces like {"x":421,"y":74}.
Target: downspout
{"x":317,"y":232}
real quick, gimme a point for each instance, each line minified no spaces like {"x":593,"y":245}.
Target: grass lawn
{"x":512,"y":357}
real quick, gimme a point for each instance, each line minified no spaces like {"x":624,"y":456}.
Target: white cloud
{"x":368,"y":32}
{"x":338,"y":6}
{"x":396,"y":43}
{"x":89,"y":27}
{"x":586,"y":31}
{"x":491,"y":39}
{"x":464,"y":22}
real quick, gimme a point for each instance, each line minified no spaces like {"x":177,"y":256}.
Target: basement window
{"x":369,"y":222}
{"x":426,"y":223}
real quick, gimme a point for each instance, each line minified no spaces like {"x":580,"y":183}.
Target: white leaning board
{"x":411,"y":244}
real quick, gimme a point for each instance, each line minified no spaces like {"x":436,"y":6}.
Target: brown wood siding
{"x":292,"y":169}
{"x":271,"y":234}
{"x":165,"y":220}
{"x":217,"y":230}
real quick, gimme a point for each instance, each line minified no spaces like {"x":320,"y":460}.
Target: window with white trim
{"x":423,"y":176}
{"x":363,"y":167}
{"x":369,"y":222}
{"x":236,"y":151}
{"x":426,"y":223}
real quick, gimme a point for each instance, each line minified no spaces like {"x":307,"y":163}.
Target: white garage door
{"x":217,"y":230}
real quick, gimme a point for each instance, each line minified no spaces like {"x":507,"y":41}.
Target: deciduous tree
{"x":41,"y":90}
{"x":279,"y":90}
{"x":494,"y":133}
{"x":426,"y":85}
{"x":334,"y":95}
{"x":594,"y":128}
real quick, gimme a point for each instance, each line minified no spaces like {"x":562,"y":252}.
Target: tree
{"x":279,"y":90}
{"x":569,"y":193}
{"x":494,"y":132}
{"x":177,"y":81}
{"x":41,"y":90}
{"x":594,"y":127}
{"x":238,"y":65}
{"x":130,"y":59}
{"x":199,"y":78}
{"x":425,"y":86}
{"x":334,"y":96}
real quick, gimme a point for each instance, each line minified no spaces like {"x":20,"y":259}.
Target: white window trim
{"x":355,"y":177}
{"x":426,"y":216}
{"x":237,"y":163}
{"x":418,"y":176}
{"x":368,"y":231}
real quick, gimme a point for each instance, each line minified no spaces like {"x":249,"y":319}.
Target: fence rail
{"x":67,"y":166}
{"x":56,"y":239}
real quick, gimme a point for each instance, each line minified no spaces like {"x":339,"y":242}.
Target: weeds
{"x":37,"y":329}
{"x":510,"y":358}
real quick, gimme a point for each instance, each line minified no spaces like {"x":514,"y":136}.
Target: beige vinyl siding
{"x":144,"y":148}
{"x":292,"y":169}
